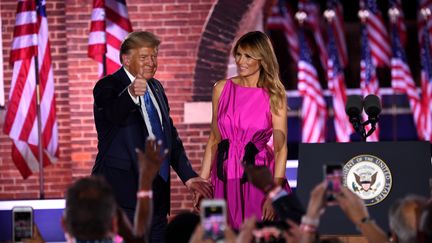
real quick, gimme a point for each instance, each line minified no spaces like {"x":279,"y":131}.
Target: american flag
{"x":336,"y":84}
{"x":30,"y":40}
{"x":399,"y":21}
{"x":337,"y":26}
{"x":423,"y":22}
{"x":402,"y":81}
{"x":109,"y":26}
{"x":426,"y":79}
{"x":314,"y":112}
{"x":313,"y":20}
{"x":368,"y":81}
{"x":378,"y":39}
{"x":281,"y":19}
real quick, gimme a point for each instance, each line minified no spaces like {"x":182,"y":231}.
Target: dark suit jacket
{"x":121,"y":128}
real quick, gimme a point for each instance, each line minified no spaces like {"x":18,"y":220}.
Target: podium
{"x":397,"y":169}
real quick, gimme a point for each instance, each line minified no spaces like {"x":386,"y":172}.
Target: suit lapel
{"x":122,"y":76}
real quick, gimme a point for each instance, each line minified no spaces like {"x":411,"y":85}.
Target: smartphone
{"x":269,"y":232}
{"x":333,"y":178}
{"x":213,"y":218}
{"x":22,"y":223}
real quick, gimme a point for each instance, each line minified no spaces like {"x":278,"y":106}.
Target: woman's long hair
{"x":258,"y":46}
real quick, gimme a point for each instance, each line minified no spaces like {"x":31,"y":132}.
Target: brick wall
{"x":179,"y":25}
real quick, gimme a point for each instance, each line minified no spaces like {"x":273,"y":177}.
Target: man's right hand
{"x":139,"y":86}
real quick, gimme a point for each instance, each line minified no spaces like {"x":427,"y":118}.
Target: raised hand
{"x":352,"y":205}
{"x":150,"y":161}
{"x":317,"y":201}
{"x":246,"y":229}
{"x":139,"y":86}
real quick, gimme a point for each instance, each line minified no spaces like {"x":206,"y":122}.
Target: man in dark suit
{"x":129,"y":106}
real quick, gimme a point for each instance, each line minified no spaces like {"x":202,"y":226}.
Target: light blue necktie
{"x":157,"y":131}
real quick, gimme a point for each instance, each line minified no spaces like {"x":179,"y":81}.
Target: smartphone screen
{"x":213,"y":216}
{"x":22,"y":223}
{"x":333,"y":177}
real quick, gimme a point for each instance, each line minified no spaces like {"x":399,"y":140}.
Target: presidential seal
{"x":369,"y":177}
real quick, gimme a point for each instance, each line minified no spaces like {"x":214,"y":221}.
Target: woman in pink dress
{"x":248,"y":110}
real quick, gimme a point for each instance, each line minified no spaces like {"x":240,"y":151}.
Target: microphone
{"x":372,"y":106}
{"x":353,"y":109}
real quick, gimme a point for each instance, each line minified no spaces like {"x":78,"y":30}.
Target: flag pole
{"x":39,"y":130}
{"x":104,"y":68}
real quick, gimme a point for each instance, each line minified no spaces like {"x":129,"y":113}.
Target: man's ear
{"x":125,"y":59}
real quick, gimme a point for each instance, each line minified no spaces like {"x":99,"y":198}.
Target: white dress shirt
{"x":140,"y":101}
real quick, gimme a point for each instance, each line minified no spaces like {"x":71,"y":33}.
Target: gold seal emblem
{"x":369,"y":177}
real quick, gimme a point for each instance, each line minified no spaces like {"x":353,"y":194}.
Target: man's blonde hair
{"x":138,"y":39}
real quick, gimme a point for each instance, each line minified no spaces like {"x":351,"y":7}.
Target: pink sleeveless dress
{"x":243,"y":116}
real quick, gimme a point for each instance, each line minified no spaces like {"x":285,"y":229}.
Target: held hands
{"x":139,"y":86}
{"x":200,"y":188}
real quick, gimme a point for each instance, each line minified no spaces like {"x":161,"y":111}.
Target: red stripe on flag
{"x":25,"y":29}
{"x":15,"y":95}
{"x":113,"y":40}
{"x":118,"y":19}
{"x":24,"y":6}
{"x":22,"y":53}
{"x":49,"y":125}
{"x":20,"y":162}
{"x":111,"y":66}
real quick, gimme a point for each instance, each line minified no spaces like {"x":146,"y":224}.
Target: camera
{"x":213,"y":218}
{"x":22,"y":223}
{"x":333,"y":178}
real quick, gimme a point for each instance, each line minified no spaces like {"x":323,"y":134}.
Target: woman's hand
{"x":268,"y":210}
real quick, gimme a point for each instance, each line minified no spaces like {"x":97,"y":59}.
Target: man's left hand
{"x":198,"y":185}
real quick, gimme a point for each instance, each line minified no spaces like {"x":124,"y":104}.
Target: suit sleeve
{"x":112,"y":100}
{"x":179,"y":160}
